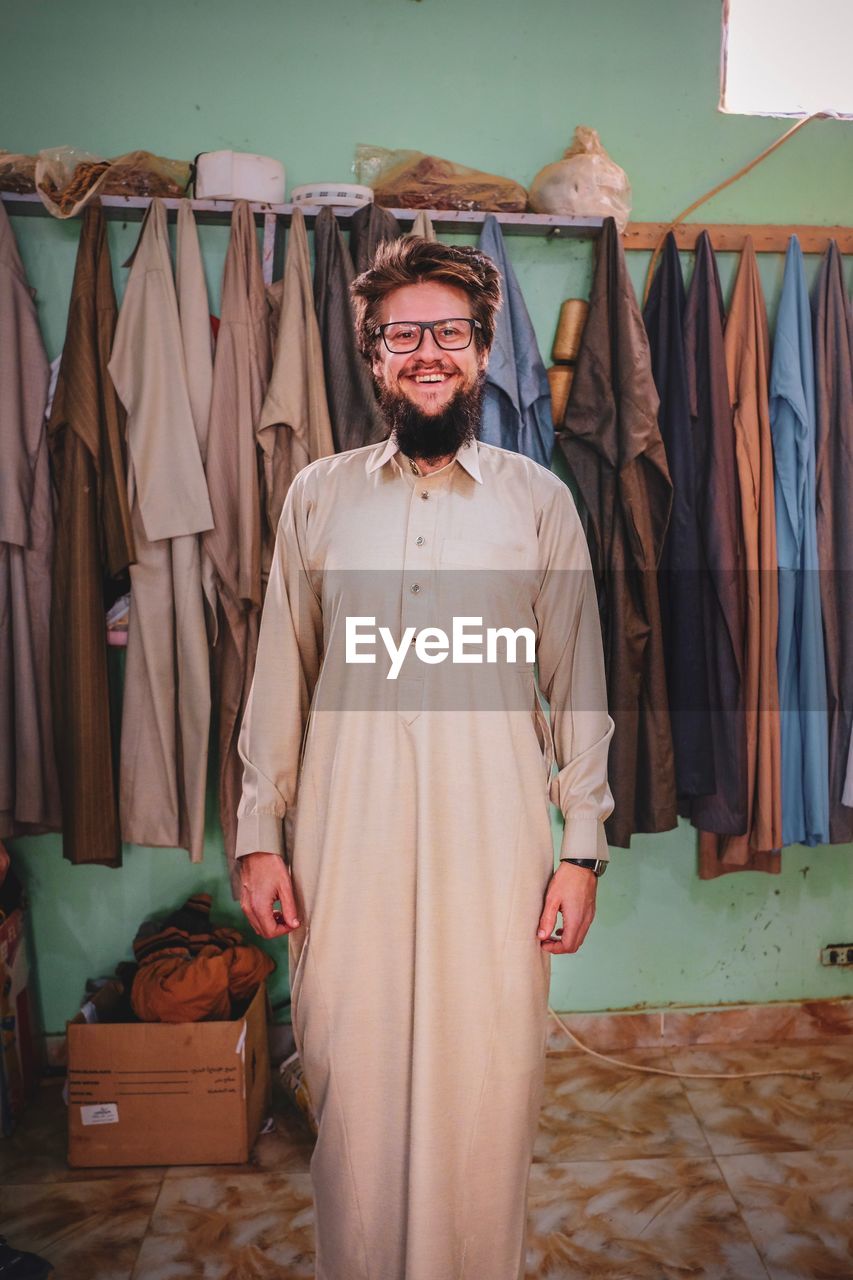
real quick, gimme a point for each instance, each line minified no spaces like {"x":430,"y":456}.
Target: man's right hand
{"x":265,"y":880}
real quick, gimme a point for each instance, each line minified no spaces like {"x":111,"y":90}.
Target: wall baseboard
{"x":726,"y":1024}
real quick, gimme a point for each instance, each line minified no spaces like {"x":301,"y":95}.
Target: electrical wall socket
{"x":837,"y":955}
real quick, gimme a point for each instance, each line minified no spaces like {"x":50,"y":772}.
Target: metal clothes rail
{"x":642,"y":236}
{"x":275,"y":216}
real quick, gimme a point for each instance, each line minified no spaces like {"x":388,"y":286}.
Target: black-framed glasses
{"x":402,"y":337}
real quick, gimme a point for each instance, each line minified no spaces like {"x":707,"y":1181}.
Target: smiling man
{"x":406,"y":837}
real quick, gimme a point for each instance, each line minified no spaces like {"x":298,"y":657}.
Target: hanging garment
{"x":29,"y":789}
{"x":802,"y":669}
{"x":747,"y":352}
{"x":370,"y":227}
{"x":197,"y":342}
{"x":353,"y":410}
{"x":94,"y":547}
{"x":722,"y":579}
{"x":422,"y":227}
{"x":421,"y":1037}
{"x":241,"y":374}
{"x":166,"y":707}
{"x":294,"y":426}
{"x":194,"y":311}
{"x":517,"y":397}
{"x":679,"y":577}
{"x":613,"y":447}
{"x":833,"y":348}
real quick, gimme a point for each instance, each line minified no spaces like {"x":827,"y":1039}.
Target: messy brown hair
{"x":411,"y":260}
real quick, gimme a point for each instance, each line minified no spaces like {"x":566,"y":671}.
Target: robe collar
{"x":468,"y":457}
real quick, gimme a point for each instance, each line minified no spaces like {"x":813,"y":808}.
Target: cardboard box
{"x":160,"y":1093}
{"x":18,"y":1062}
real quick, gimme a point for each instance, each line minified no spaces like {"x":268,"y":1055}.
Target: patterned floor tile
{"x":799,"y":1210}
{"x":242,"y":1226}
{"x":594,"y":1110}
{"x":636,"y":1220}
{"x":772,"y":1113}
{"x":88,"y":1230}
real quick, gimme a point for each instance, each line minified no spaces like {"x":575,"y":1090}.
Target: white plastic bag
{"x":586,"y":183}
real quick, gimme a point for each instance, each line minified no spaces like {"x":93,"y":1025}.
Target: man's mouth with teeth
{"x":431,"y":377}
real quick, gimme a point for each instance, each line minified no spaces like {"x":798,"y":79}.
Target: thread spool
{"x":573,"y":315}
{"x":560,"y":380}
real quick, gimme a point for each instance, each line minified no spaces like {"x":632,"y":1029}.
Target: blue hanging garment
{"x":517,"y":400}
{"x":802,"y":671}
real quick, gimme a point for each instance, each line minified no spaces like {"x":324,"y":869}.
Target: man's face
{"x":429,"y":377}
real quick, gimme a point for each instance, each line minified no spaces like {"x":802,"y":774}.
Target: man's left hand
{"x":571,"y":892}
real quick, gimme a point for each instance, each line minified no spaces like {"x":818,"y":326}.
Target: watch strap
{"x":597,"y":866}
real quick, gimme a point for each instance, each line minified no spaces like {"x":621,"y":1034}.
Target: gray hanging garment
{"x":353,"y":409}
{"x":613,"y":446}
{"x":679,"y":577}
{"x":723,"y":580}
{"x":370,"y":227}
{"x":833,"y":337}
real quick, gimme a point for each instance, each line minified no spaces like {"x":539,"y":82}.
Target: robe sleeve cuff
{"x":259,"y":833}
{"x":584,"y":838}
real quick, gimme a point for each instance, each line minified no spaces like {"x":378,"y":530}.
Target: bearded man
{"x":416,"y":878}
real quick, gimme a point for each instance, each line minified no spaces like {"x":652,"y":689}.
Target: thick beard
{"x":434,"y":435}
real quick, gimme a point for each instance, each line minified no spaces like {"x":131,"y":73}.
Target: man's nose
{"x":429,"y":347}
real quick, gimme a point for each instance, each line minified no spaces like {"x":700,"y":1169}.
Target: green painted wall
{"x":501,"y":86}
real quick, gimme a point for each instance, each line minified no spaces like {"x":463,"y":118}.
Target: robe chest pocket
{"x":477,"y":553}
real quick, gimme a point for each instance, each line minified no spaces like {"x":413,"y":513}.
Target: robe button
{"x":419,"y":542}
{"x":415,"y":588}
{"x":424,"y":494}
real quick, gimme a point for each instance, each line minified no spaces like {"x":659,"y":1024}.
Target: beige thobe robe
{"x":747,"y":350}
{"x":241,"y":373}
{"x":421,"y":848}
{"x":294,"y":428}
{"x":29,"y":790}
{"x":166,"y":709}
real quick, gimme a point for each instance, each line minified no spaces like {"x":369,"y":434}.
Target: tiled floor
{"x":636,"y":1177}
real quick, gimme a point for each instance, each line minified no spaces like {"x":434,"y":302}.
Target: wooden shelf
{"x":729,"y":237}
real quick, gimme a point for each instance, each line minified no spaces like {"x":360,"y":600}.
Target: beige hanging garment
{"x":166,"y":709}
{"x":197,"y":339}
{"x":241,"y":371}
{"x":29,"y":790}
{"x":747,"y":351}
{"x":294,"y":428}
{"x":422,"y":226}
{"x":194,"y":312}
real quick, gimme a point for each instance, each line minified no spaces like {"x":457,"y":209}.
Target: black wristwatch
{"x":597,"y":866}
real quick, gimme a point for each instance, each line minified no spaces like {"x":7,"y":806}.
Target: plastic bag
{"x":67,"y":179}
{"x":17,"y":173}
{"x":586,"y":183}
{"x":412,"y":180}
